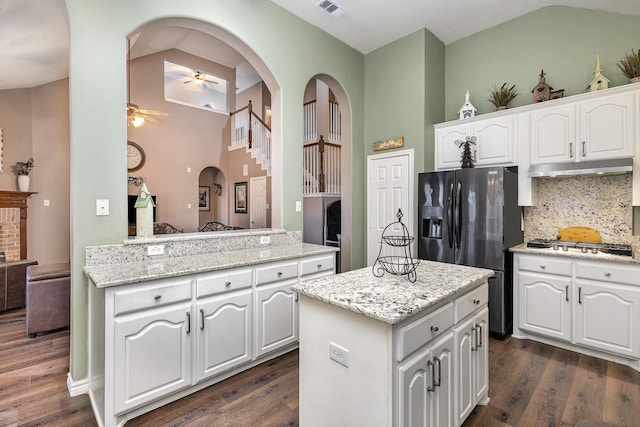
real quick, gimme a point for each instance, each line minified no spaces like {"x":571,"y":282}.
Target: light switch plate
{"x":298,"y":206}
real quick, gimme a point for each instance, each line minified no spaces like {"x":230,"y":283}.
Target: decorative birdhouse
{"x":542,"y":91}
{"x":144,"y":213}
{"x":599,"y":81}
{"x":467,"y":110}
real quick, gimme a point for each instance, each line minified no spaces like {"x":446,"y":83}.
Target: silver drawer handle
{"x":279,"y":273}
{"x":434,"y":329}
{"x":157,"y":297}
{"x":319,"y":265}
{"x":228,"y":284}
{"x":542,"y":266}
{"x":607,"y":274}
{"x":476,"y":301}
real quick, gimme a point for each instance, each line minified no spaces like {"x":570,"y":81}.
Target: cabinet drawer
{"x":316,"y":265}
{"x":141,"y":297}
{"x":608,"y":272}
{"x":416,"y":334}
{"x":470,"y":302}
{"x":545,"y":264}
{"x":272,"y":273}
{"x":223,"y":282}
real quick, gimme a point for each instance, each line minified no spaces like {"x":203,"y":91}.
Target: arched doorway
{"x":213,"y":196}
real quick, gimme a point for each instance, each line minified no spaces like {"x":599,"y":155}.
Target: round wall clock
{"x":135,"y":156}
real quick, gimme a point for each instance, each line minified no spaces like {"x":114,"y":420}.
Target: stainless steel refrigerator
{"x":471,"y":217}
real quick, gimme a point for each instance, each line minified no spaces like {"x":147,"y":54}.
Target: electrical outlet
{"x":265,"y":240}
{"x":155,"y":250}
{"x":339,"y":354}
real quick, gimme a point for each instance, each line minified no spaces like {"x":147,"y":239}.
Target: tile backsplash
{"x":600,"y":202}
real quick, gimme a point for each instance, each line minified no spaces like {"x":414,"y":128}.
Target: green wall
{"x":561,"y":40}
{"x":287,"y":49}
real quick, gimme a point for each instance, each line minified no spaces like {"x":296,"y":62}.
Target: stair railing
{"x":321,"y":167}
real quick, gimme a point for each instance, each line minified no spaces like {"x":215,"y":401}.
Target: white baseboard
{"x":76,"y":388}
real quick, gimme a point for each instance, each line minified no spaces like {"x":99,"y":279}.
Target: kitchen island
{"x":382,"y":351}
{"x":170,"y":315}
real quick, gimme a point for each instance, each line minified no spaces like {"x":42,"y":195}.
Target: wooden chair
{"x":215,"y":226}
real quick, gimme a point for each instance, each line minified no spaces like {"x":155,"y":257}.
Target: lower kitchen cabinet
{"x":154,"y":342}
{"x":587,"y":306}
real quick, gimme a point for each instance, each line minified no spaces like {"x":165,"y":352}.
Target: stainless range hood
{"x":593,"y":167}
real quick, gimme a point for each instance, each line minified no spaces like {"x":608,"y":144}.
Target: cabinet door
{"x":442,"y":399}
{"x":553,"y":134}
{"x":544,"y":304}
{"x":607,"y":317}
{"x":495,"y":141}
{"x":481,"y":355}
{"x":447,"y":152}
{"x":152,"y":355}
{"x":414,"y":378}
{"x":277,"y":316}
{"x":465,"y":394}
{"x":607,"y":127}
{"x":224,"y":333}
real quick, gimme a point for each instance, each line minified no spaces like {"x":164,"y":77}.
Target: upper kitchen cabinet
{"x":494,"y":145}
{"x":594,"y":127}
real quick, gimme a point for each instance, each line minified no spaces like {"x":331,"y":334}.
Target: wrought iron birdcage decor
{"x":401,"y":264}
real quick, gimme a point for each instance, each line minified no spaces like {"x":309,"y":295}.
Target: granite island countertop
{"x":392,"y":299}
{"x":134,"y":271}
{"x":575,"y":254}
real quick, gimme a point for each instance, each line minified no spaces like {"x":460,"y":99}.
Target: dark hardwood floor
{"x":531,"y":384}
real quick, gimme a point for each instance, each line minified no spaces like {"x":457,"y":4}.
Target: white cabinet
{"x":471,"y":338}
{"x":586,"y":305}
{"x":495,"y":142}
{"x":425,"y":378}
{"x":594,"y":129}
{"x":545,"y":289}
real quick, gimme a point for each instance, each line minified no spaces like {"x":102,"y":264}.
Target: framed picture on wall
{"x":241,"y":197}
{"x":203,"y":198}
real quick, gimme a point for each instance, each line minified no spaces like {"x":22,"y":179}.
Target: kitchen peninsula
{"x":382,"y":351}
{"x":171,"y":315}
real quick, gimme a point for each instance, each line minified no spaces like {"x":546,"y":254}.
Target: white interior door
{"x":258,"y":202}
{"x":389,"y":188}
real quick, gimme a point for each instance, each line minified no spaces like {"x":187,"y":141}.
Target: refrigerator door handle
{"x":458,"y":214}
{"x":450,"y":226}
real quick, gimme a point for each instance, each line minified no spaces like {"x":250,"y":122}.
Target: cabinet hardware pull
{"x":188,"y":323}
{"x":607,"y":274}
{"x":566,"y":293}
{"x":437,"y":360}
{"x":571,"y":149}
{"x":476,"y":301}
{"x":319,"y":265}
{"x":202,"y":313}
{"x":431,"y":366}
{"x":279,"y":273}
{"x":579,"y":295}
{"x":227,"y":284}
{"x":157,"y":297}
{"x":434,"y":329}
{"x":584,"y":151}
{"x":474,"y":346}
{"x":542,"y":266}
{"x":480,"y":335}
{"x":296,"y":296}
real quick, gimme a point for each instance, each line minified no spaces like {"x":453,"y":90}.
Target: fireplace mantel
{"x":18,"y":199}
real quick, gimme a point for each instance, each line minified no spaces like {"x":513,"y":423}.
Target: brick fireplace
{"x":13,"y":224}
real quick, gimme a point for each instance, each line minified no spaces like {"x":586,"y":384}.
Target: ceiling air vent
{"x":331,"y":8}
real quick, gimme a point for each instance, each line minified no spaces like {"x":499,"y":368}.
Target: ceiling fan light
{"x":137,"y":121}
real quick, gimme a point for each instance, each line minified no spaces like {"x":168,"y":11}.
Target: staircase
{"x":250,"y":132}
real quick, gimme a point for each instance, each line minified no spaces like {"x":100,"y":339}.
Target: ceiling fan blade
{"x":154,"y":112}
{"x":152,"y":119}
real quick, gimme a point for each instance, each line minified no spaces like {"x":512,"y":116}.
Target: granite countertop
{"x":576,"y":254}
{"x":392,"y":299}
{"x":139,"y":271}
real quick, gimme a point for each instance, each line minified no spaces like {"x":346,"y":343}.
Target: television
{"x":132,"y":210}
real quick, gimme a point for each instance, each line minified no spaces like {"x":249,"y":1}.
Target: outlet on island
{"x":264,"y":240}
{"x":339,"y":354}
{"x":155,"y":250}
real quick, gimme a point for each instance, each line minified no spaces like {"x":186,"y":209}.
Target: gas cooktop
{"x":585,"y":247}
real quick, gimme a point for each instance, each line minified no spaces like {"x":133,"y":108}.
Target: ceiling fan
{"x":199,"y":78}
{"x":136,"y":116}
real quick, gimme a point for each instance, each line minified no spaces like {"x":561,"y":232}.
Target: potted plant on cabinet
{"x":501,"y":96}
{"x":22,"y":169}
{"x":630,"y":66}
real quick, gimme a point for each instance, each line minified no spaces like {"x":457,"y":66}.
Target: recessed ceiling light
{"x":331,"y":8}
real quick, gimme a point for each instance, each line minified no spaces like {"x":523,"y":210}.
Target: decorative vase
{"x":635,"y":79}
{"x":23,"y":183}
{"x":500,"y":108}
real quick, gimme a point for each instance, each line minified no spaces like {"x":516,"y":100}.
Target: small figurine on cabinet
{"x":467,"y":157}
{"x":542,"y":91}
{"x":599,"y":81}
{"x":144,"y":213}
{"x":467,"y":110}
